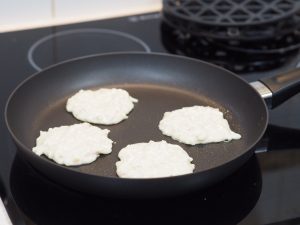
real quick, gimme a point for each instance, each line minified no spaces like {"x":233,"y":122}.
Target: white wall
{"x":19,"y":13}
{"x":25,"y":14}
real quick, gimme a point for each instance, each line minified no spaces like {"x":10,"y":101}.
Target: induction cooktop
{"x":264,"y":191}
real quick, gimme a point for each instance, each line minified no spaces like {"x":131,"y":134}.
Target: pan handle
{"x":281,"y":87}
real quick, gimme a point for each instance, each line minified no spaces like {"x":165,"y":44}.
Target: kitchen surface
{"x":264,"y":191}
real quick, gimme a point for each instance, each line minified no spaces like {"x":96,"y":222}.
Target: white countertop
{"x":4,"y":219}
{"x":35,"y":13}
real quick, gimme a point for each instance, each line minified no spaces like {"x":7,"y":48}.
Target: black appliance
{"x":264,"y":191}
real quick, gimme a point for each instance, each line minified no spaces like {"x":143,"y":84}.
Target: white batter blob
{"x":197,"y":125}
{"x":102,"y":106}
{"x":73,"y":145}
{"x":153,"y":159}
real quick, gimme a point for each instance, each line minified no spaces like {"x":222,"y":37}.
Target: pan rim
{"x":128,"y":53}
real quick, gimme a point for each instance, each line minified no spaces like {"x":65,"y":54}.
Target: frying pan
{"x":162,"y":83}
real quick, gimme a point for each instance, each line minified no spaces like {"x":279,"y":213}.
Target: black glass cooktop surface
{"x":264,"y":191}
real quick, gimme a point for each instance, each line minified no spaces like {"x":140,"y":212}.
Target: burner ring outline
{"x":75,"y":31}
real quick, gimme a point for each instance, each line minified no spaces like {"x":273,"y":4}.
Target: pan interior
{"x":142,"y":125}
{"x":171,"y":84}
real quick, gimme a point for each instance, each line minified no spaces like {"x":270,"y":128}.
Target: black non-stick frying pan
{"x":161,"y":83}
